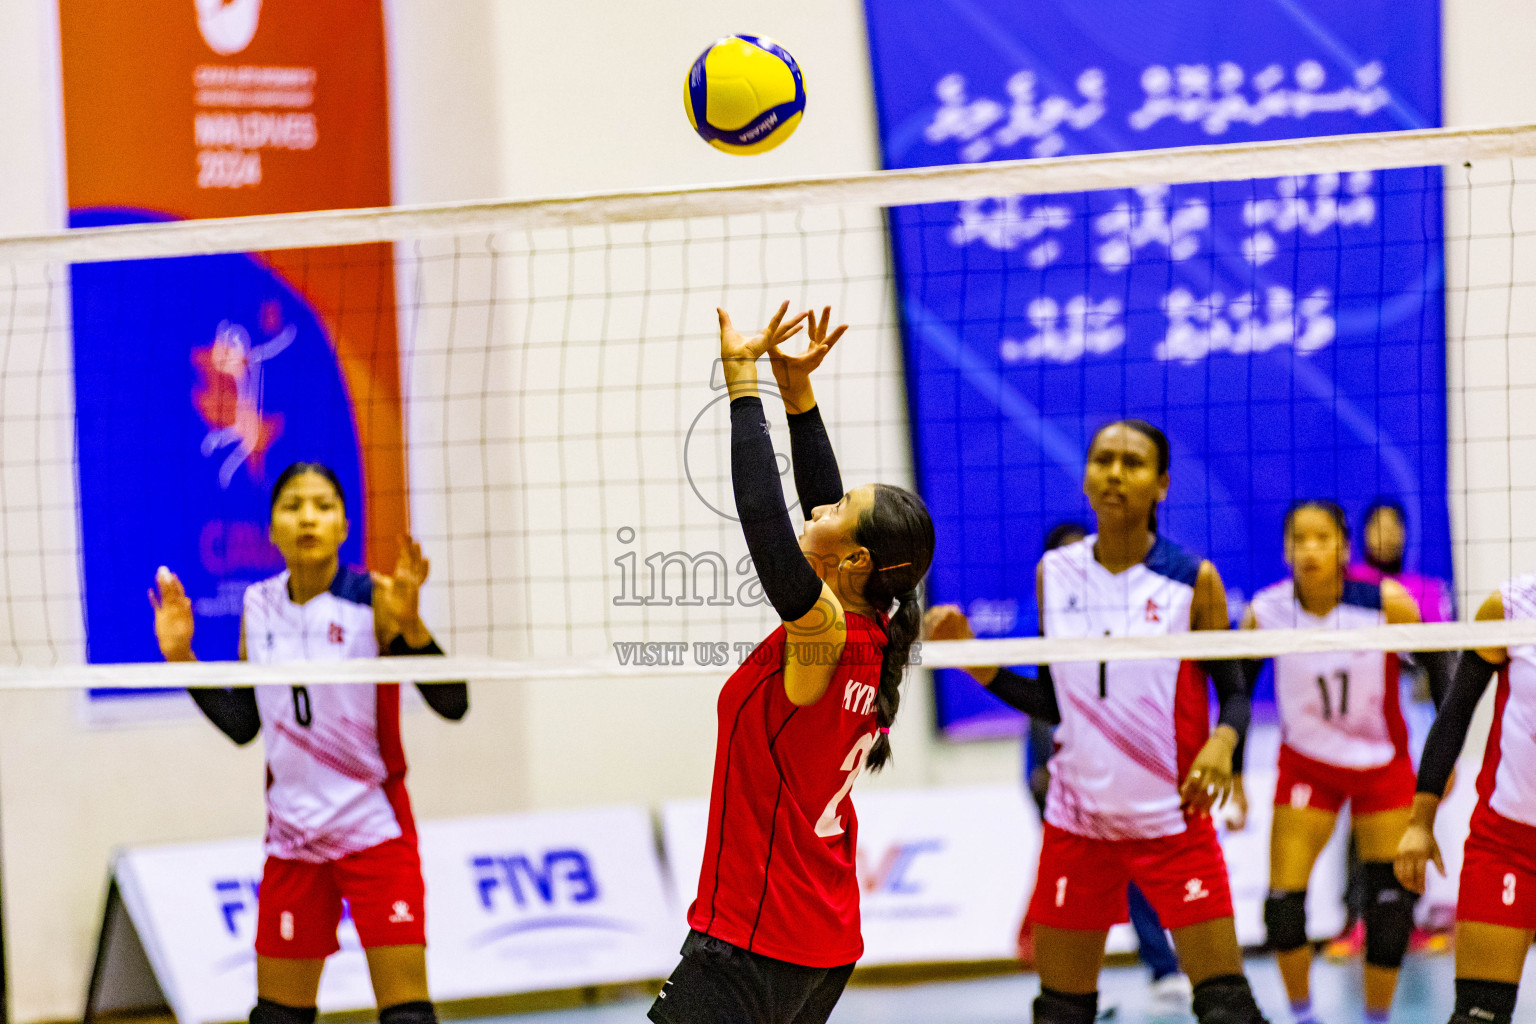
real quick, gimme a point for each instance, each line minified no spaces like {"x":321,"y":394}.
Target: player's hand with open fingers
{"x":1414,"y":852}
{"x":397,"y":598}
{"x":739,"y":353}
{"x":173,"y":616}
{"x":792,"y":371}
{"x":1209,"y":781}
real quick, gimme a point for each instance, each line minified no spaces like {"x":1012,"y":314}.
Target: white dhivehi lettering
{"x":1186,"y":94}
{"x":1003,"y":225}
{"x":1128,"y":230}
{"x":1065,"y":333}
{"x":970,"y":122}
{"x":1246,"y":323}
{"x":1290,"y":211}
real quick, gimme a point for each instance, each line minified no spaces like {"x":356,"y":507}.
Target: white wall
{"x":498,"y":99}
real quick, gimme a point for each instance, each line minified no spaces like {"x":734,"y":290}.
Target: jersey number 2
{"x":831,"y":823}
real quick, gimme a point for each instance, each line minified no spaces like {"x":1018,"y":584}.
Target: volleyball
{"x":744,"y":95}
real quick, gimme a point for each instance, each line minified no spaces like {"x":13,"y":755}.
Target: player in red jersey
{"x":775,"y":925}
{"x":339,"y":823}
{"x":1496,"y":903}
{"x":1137,"y":768}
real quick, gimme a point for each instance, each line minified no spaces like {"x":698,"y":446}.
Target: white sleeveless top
{"x":1338,"y":707}
{"x":335,"y":771}
{"x":1507,"y":782}
{"x":1129,"y":729}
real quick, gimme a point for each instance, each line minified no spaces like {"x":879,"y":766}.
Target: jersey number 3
{"x":831,"y":823}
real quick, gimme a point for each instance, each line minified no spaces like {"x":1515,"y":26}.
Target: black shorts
{"x":718,"y":983}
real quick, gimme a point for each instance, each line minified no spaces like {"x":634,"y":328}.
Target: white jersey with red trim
{"x":1507,"y":782}
{"x":335,"y":771}
{"x":1129,"y":729}
{"x":1338,"y":707}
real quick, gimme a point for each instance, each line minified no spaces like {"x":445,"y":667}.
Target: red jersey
{"x":778,"y":876}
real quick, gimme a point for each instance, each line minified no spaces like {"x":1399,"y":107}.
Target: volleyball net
{"x":531,"y":388}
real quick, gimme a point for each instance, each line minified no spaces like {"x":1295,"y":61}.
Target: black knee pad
{"x":1226,"y":999}
{"x":1388,"y":916}
{"x":1484,"y":1002}
{"x":267,"y":1012}
{"x":1285,"y":920}
{"x":418,"y":1012}
{"x":1052,"y":1007}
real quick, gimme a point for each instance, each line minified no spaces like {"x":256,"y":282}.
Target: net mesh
{"x":562,"y":422}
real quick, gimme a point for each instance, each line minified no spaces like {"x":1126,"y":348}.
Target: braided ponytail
{"x":899,"y":535}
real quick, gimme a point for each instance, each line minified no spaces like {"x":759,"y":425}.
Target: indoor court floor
{"x":1424,"y":996}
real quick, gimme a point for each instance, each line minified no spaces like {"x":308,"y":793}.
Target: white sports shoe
{"x":1171,"y":994}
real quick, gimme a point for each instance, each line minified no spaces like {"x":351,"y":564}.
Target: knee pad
{"x":1388,"y":916}
{"x":1484,"y":1002}
{"x":1052,"y":1007}
{"x":1285,"y":919}
{"x":267,"y":1012}
{"x":419,"y":1012}
{"x":1226,"y":999}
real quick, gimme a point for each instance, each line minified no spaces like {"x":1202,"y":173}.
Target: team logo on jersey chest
{"x":1154,"y":613}
{"x":336,"y":634}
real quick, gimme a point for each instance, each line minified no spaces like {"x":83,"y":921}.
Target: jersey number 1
{"x":831,"y":823}
{"x":1322,"y":685}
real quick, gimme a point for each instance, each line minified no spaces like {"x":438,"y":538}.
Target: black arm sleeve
{"x":1251,"y":669}
{"x":1440,"y":667}
{"x":1232,"y":695}
{"x":817,"y":481}
{"x":450,"y":700}
{"x":791,"y":585}
{"x":232,"y":710}
{"x":1443,"y":744}
{"x":1035,"y":697}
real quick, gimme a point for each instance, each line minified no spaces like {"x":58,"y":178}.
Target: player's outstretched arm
{"x":1035,"y":697}
{"x":817,"y":480}
{"x":397,"y":620}
{"x":1441,"y":749}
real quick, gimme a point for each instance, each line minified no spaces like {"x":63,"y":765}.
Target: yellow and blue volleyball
{"x":745,"y":94}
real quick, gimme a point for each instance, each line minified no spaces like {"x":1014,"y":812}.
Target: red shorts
{"x":1081,"y":882}
{"x":1498,"y":872}
{"x":1304,"y":782}
{"x":299,"y":906}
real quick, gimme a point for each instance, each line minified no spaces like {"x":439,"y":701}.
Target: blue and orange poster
{"x":197,"y":380}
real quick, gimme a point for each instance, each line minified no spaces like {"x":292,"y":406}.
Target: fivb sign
{"x":515,"y":903}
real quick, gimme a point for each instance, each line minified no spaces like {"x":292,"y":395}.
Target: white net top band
{"x":1377,"y":151}
{"x":1197,"y":646}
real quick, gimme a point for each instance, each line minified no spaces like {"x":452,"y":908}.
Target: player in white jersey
{"x":1138,"y":768}
{"x":339,"y":824}
{"x":1343,"y":739}
{"x":1496,"y":902}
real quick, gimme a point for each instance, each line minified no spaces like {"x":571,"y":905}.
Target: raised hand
{"x":173,"y":616}
{"x":948,"y":622}
{"x":739,"y":353}
{"x":792,"y":372}
{"x":397,"y":597}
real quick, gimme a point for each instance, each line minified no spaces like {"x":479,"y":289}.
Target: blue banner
{"x":1286,"y":333}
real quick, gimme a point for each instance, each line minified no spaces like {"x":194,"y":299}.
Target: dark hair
{"x":1395,"y":566}
{"x":1063,"y":534}
{"x":899,"y":535}
{"x":299,"y":469}
{"x":1159,"y":441}
{"x":1335,"y":512}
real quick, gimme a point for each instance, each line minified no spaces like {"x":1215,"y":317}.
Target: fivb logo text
{"x":533,"y":881}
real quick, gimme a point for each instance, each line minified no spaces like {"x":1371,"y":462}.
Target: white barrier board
{"x":515,"y":903}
